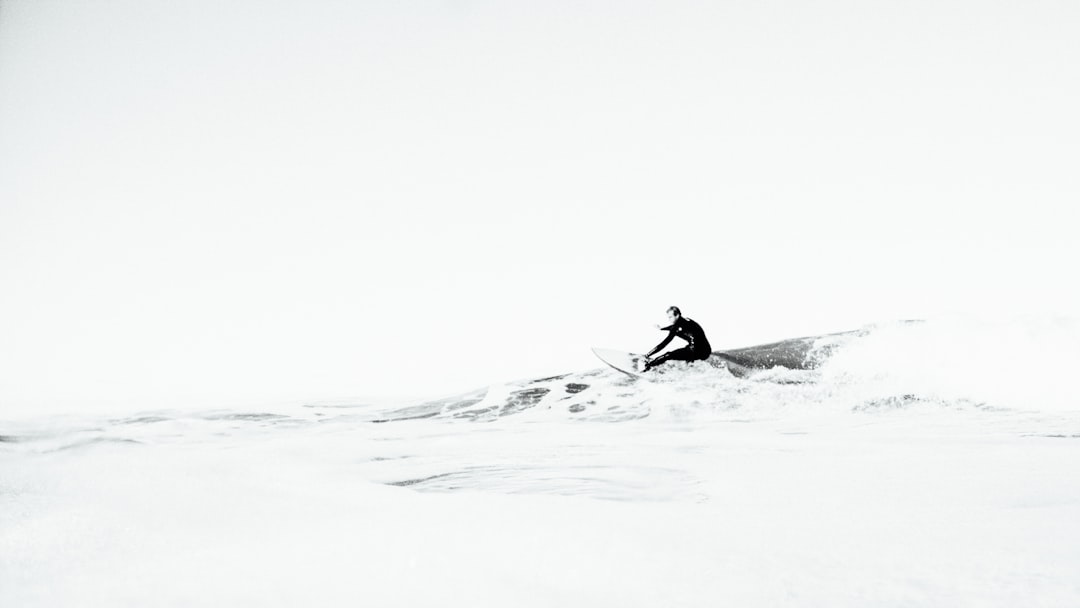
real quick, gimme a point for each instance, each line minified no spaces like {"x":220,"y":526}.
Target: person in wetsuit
{"x":697,"y":348}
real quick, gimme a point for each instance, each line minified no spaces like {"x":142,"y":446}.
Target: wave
{"x":943,"y":364}
{"x":955,"y":365}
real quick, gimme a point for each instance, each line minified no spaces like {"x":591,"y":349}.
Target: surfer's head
{"x":673,"y":313}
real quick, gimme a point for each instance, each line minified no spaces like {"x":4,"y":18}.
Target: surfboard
{"x":627,"y":363}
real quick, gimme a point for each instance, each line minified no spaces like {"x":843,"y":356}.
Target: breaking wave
{"x":952,"y":364}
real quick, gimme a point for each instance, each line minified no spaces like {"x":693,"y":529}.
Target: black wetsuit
{"x":697,"y":348}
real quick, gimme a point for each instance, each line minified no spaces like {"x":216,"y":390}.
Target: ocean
{"x":929,"y":463}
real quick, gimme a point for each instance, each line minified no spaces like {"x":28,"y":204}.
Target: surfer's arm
{"x":660,"y":347}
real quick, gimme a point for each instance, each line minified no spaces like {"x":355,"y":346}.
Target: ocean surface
{"x":906,"y":464}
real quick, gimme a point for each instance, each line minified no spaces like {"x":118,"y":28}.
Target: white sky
{"x":204,"y":202}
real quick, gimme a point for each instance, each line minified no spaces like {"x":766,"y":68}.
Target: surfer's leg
{"x":682,"y":354}
{"x":679,"y":354}
{"x":657,"y":361}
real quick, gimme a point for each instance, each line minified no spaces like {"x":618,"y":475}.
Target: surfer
{"x":697,"y":348}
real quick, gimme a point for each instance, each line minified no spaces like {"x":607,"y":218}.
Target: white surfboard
{"x":627,"y":363}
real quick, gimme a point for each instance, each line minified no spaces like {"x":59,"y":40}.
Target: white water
{"x":929,"y":464}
